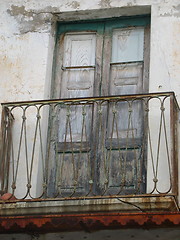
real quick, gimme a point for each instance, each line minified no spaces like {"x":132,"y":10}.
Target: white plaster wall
{"x":23,"y":62}
{"x":27,"y":42}
{"x":165,"y":48}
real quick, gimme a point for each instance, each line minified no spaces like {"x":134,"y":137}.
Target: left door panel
{"x":70,"y":173}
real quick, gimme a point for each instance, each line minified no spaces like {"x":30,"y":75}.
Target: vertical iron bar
{"x":173,"y":126}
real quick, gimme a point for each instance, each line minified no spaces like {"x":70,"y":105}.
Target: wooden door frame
{"x":91,"y":26}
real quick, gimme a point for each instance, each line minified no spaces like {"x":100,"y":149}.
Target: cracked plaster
{"x":105,"y":3}
{"x":169,"y":10}
{"x":30,"y":21}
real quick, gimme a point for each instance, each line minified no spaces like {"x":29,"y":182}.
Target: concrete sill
{"x":113,"y":204}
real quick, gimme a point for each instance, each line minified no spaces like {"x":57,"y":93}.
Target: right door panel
{"x":123,"y":159}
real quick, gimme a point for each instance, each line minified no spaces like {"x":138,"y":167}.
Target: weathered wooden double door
{"x":91,"y":153}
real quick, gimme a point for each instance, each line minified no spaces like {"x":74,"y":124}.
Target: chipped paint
{"x":75,"y":4}
{"x":31,"y":21}
{"x":169,"y":10}
{"x":105,"y":3}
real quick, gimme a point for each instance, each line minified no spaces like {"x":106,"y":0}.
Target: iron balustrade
{"x":90,"y":147}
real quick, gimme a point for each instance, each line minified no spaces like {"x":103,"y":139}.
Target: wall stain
{"x":16,"y":10}
{"x":32,"y":21}
{"x":74,"y":4}
{"x":173,"y":11}
{"x":105,"y":3}
{"x":176,"y":49}
{"x":177,"y":10}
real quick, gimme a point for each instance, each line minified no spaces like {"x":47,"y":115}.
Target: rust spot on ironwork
{"x":7,"y":196}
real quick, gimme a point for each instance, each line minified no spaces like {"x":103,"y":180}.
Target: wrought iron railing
{"x":87,"y":147}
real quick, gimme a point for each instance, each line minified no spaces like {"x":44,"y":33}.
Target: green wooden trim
{"x":99,"y":24}
{"x":69,"y":27}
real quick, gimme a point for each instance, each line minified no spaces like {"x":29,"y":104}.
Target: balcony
{"x":115,"y":153}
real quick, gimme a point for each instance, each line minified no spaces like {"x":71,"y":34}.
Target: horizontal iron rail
{"x":113,"y":97}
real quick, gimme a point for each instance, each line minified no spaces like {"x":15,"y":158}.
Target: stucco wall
{"x":26,"y":38}
{"x":27,"y":33}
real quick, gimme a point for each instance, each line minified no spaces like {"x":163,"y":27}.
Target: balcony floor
{"x":153,"y":203}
